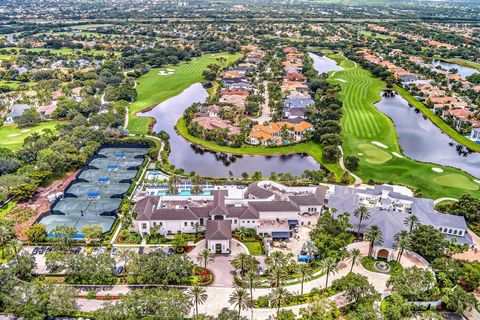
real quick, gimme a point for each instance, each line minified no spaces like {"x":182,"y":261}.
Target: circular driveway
{"x":221,"y":267}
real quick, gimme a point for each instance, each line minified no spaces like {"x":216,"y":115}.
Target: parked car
{"x":48,"y":269}
{"x":89,"y":250}
{"x":170,"y":251}
{"x":76,"y":250}
{"x":141,"y":250}
{"x":41,"y":250}
{"x":49,"y":249}
{"x":260,"y":271}
{"x":102,"y":250}
{"x":95,"y":251}
{"x":114,"y":251}
{"x":35,"y":250}
{"x":119,"y":270}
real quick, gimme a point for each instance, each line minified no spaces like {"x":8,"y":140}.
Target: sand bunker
{"x":13,"y":135}
{"x":360,"y":154}
{"x":379,"y":144}
{"x":25,"y":130}
{"x":396,"y":154}
{"x":477,"y":181}
{"x":341,"y":80}
{"x":437,"y":169}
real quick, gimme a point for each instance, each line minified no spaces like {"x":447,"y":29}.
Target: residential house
{"x":15,"y":111}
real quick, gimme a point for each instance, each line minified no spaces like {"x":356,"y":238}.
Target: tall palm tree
{"x":205,"y":257}
{"x":241,"y":232}
{"x":354,"y":255}
{"x":251,"y":280}
{"x":402,"y":242}
{"x":239,"y":298}
{"x":329,"y":265}
{"x":374,"y":237}
{"x":241,"y":262}
{"x":277,"y":275}
{"x":305,"y":272}
{"x":411,"y":222}
{"x":278,"y":297}
{"x":275,"y":259}
{"x":198,"y":295}
{"x":361,"y":213}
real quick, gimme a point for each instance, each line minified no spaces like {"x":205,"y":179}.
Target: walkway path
{"x":266,"y":116}
{"x":358,"y":181}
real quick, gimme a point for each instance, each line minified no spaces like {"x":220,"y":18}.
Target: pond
{"x":324,"y":64}
{"x":463,"y":71}
{"x":191,"y":157}
{"x":421,"y":140}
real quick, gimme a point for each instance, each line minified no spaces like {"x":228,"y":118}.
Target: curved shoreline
{"x":311,"y":148}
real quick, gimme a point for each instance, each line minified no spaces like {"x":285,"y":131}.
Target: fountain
{"x":382,"y":266}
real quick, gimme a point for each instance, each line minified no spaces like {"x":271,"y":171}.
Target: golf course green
{"x":370,"y":135}
{"x":12,"y":137}
{"x":160,"y":84}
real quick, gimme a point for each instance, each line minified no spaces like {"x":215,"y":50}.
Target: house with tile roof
{"x":271,"y":133}
{"x":388,"y":210}
{"x":269,"y":213}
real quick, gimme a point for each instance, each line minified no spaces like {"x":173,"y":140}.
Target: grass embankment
{"x":12,"y":137}
{"x":451,"y":132}
{"x":154,"y":88}
{"x":311,"y":148}
{"x":370,"y":135}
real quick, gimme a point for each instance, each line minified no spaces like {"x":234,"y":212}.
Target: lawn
{"x":254,"y":247}
{"x":153,"y":88}
{"x":311,"y":148}
{"x":377,"y":35}
{"x":12,"y":137}
{"x":363,"y":125}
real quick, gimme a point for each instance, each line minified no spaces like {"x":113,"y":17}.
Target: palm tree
{"x":241,"y":232}
{"x":240,"y":262}
{"x":411,"y":222}
{"x":402,"y":242}
{"x":251,"y":280}
{"x":354,"y":255}
{"x":276,"y":276}
{"x":375,"y":237}
{"x":305,"y":272}
{"x":239,"y":298}
{"x":329,"y":265}
{"x":205,"y":257}
{"x":278,"y":297}
{"x":198,"y":295}
{"x":275,"y":259}
{"x":126,"y":256}
{"x":361,"y":213}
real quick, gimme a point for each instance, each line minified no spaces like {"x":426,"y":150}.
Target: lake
{"x":324,"y":64}
{"x":463,"y":71}
{"x":421,"y":140}
{"x":191,"y":157}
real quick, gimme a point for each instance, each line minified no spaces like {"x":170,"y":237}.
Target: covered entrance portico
{"x":383,"y":253}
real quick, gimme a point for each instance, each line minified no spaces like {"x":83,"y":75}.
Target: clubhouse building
{"x":273,"y":210}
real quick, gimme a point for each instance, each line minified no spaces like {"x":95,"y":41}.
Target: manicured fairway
{"x":12,"y":137}
{"x":154,"y":88}
{"x":362,"y":123}
{"x":377,"y":35}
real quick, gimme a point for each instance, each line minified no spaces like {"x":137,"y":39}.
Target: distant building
{"x":15,"y":111}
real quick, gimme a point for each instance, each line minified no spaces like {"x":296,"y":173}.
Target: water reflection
{"x":421,"y":140}
{"x":195,"y":158}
